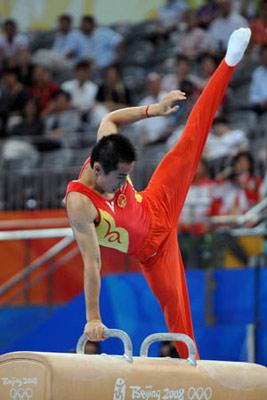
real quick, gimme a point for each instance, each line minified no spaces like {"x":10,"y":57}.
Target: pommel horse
{"x":59,"y":376}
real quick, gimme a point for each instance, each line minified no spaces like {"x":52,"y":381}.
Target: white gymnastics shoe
{"x":237,"y":45}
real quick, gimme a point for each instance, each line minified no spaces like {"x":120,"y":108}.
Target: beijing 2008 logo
{"x":150,"y":393}
{"x":20,"y":393}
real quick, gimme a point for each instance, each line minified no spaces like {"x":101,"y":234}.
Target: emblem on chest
{"x":121,"y":200}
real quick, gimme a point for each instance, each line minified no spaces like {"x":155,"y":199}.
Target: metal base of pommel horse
{"x":56,"y":376}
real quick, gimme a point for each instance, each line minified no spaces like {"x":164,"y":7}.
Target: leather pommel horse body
{"x":56,"y":376}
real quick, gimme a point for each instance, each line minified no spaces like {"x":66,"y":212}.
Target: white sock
{"x":237,"y":44}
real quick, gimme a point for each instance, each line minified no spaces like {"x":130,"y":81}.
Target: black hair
{"x":182,"y":58}
{"x":61,"y":92}
{"x":89,"y":18}
{"x":83,"y":64}
{"x":10,"y":22}
{"x":65,"y":17}
{"x":115,"y":67}
{"x":205,"y":55}
{"x":11,"y":70}
{"x":36,"y":102}
{"x":112,"y":149}
{"x":205,"y":163}
{"x":248,"y":156}
{"x":187,"y":87}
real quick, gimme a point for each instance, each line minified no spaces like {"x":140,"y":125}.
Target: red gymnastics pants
{"x":165,"y":194}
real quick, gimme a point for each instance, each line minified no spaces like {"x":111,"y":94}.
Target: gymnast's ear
{"x":97,"y":168}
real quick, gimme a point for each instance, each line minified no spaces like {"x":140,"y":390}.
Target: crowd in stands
{"x":56,"y":87}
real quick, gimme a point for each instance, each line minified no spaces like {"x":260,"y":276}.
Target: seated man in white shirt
{"x":101,"y":44}
{"x":224,"y":142}
{"x":81,"y":88}
{"x":66,"y":49}
{"x":66,"y":44}
{"x":11,"y":42}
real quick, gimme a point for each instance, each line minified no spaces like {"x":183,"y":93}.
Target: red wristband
{"x":147,"y":108}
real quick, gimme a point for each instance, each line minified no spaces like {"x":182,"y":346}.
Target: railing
{"x":35,"y":189}
{"x":47,"y":257}
{"x":39,"y":189}
{"x":253,"y":216}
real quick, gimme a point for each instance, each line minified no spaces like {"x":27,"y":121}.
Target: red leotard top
{"x":123,"y":222}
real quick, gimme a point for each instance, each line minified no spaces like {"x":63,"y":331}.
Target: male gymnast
{"x":105,"y":210}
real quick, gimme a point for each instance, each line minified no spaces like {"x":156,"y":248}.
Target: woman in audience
{"x":31,"y":123}
{"x":240,"y":186}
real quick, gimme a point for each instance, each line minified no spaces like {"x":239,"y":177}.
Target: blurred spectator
{"x":31,"y":122}
{"x":82,"y":89}
{"x":182,"y":73}
{"x":66,"y":43}
{"x":101,"y":44}
{"x":191,"y":42}
{"x":12,"y":97}
{"x":11,"y":42}
{"x":180,"y":117}
{"x":244,"y":171}
{"x":66,"y":49}
{"x":42,"y":86}
{"x":240,"y":187}
{"x":61,"y":118}
{"x":258,"y":87}
{"x":223,"y":142}
{"x":167,"y":349}
{"x":24,"y":65}
{"x":259,"y":25}
{"x":23,"y":62}
{"x":208,"y":64}
{"x":153,"y":130}
{"x":113,"y":92}
{"x":207,"y":13}
{"x":111,"y":95}
{"x":170,"y":14}
{"x":222,"y":26}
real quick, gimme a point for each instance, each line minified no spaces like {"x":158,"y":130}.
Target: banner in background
{"x":42,"y":14}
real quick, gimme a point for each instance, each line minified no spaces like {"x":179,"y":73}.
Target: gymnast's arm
{"x":82,"y":214}
{"x":124,"y":116}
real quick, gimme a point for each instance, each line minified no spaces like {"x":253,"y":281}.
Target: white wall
{"x":31,"y":14}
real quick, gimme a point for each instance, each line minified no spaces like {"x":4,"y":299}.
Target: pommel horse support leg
{"x":54,"y":376}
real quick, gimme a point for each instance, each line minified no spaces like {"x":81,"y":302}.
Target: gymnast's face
{"x":112,"y":181}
